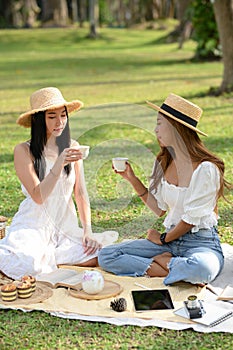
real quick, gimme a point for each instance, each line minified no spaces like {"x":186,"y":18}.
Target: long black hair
{"x":39,"y":140}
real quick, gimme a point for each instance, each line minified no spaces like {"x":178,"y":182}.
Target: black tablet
{"x":155,"y":299}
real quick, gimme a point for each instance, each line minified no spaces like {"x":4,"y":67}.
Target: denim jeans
{"x":196,"y":257}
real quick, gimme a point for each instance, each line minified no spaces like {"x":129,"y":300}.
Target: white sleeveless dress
{"x":42,"y":236}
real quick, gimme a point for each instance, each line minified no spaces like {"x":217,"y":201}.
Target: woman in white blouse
{"x":186,"y":182}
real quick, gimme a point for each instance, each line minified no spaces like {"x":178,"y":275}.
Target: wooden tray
{"x":111,"y":289}
{"x":41,"y":293}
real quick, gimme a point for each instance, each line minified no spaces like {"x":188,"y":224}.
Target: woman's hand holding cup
{"x":121,"y":166}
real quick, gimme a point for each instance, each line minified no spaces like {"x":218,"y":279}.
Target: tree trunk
{"x":74,"y":8}
{"x":30,"y":12}
{"x":82,"y":7}
{"x":184,"y":29}
{"x":54,"y":13}
{"x":93,"y":17}
{"x":17,"y":13}
{"x":185,"y":26}
{"x":6,"y":15}
{"x":223,"y":11}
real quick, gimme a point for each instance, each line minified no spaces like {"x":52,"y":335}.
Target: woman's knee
{"x":198,"y":267}
{"x":202,"y":270}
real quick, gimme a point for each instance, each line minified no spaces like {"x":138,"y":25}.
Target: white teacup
{"x":119,"y":163}
{"x":84,"y":150}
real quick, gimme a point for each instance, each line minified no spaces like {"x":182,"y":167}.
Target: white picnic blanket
{"x":62,"y":305}
{"x":224,"y":279}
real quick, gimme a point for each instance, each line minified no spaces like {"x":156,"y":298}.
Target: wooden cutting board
{"x":111,"y":289}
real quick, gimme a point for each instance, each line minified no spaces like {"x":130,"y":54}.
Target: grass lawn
{"x":113,"y":76}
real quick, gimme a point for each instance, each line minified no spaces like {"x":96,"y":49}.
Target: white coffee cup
{"x":119,"y":163}
{"x":84,"y":150}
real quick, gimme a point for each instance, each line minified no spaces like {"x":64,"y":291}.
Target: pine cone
{"x":119,"y":305}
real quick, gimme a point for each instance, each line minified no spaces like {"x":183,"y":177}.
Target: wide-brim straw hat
{"x":181,"y":110}
{"x":46,"y":99}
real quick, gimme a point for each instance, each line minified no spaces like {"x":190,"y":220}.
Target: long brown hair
{"x":197,"y":151}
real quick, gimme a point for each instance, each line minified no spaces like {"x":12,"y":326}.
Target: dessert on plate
{"x":24,"y":289}
{"x":30,"y":279}
{"x":9,"y":292}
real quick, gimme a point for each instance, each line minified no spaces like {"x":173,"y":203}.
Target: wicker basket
{"x":3,"y":220}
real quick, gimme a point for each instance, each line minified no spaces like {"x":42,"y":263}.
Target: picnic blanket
{"x":60,"y":303}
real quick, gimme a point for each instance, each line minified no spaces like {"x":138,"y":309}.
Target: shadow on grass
{"x":6,"y":158}
{"x":110,"y":63}
{"x":220,"y":143}
{"x":203,"y":94}
{"x":34,"y":86}
{"x":54,"y":36}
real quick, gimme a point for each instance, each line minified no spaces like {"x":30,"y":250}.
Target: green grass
{"x":113,"y":76}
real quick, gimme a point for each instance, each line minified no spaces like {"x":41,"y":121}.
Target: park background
{"x":113,"y":63}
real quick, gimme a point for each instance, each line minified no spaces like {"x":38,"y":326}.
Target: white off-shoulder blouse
{"x":193,"y":204}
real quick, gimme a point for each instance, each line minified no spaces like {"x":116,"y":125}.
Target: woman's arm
{"x":82,"y":198}
{"x":199,"y":203}
{"x":40,"y":190}
{"x":141,"y":190}
{"x":179,"y":230}
{"x":83,"y":205}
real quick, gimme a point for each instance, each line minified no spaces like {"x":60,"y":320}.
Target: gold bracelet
{"x":54,"y":174}
{"x":143,"y":194}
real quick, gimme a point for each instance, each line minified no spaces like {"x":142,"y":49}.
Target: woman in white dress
{"x":45,"y":231}
{"x":186,"y":183}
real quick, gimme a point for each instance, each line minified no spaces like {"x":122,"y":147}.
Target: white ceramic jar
{"x":92,"y":281}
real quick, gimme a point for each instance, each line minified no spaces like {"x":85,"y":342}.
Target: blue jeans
{"x":196,"y":257}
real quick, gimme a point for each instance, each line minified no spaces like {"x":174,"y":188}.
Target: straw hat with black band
{"x":46,"y":99}
{"x":181,"y":110}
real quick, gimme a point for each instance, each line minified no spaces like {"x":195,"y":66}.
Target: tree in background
{"x":30,"y":11}
{"x":205,"y":31}
{"x":212,"y":22}
{"x":18,"y":13}
{"x":209,"y":21}
{"x":73,"y":10}
{"x":54,"y":13}
{"x":9,"y":13}
{"x":93,"y":17}
{"x":183,"y":30}
{"x":224,"y":17}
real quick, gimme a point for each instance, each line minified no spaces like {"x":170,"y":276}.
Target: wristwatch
{"x":163,"y":237}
